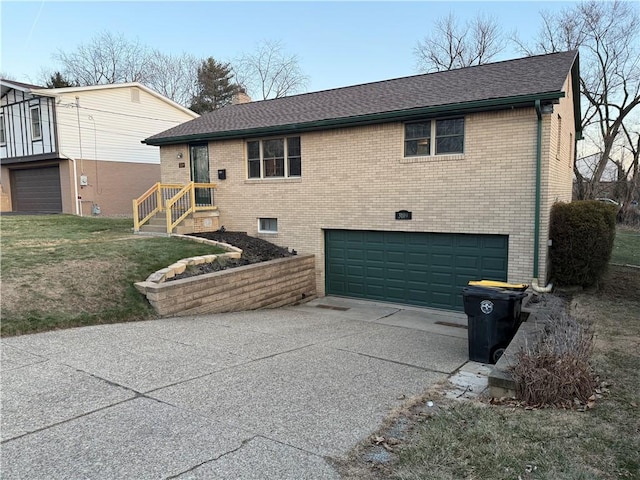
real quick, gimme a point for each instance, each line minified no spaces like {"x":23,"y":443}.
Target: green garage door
{"x":425,"y":269}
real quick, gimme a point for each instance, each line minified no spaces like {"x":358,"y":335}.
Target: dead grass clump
{"x":556,"y":370}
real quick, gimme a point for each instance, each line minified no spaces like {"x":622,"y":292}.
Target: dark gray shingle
{"x":511,"y":78}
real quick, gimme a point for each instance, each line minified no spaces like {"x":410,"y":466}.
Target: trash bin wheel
{"x":497,"y":352}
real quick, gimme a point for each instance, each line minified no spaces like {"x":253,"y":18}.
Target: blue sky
{"x":338,"y":43}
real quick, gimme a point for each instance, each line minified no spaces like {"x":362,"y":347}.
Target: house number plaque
{"x":403,"y":215}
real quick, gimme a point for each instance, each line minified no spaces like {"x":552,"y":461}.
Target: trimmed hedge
{"x":582,"y":233}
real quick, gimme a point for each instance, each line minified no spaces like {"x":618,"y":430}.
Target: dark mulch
{"x":254,"y":250}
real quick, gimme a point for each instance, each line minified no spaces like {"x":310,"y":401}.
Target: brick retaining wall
{"x":271,"y":284}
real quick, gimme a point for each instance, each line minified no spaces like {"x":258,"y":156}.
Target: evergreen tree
{"x":57,"y":80}
{"x":215,"y":87}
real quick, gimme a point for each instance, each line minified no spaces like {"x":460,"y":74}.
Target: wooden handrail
{"x":161,"y":205}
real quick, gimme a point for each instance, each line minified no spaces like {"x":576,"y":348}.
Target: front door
{"x":200,"y":172}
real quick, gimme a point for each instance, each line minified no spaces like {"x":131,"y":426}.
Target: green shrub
{"x":582,"y":235}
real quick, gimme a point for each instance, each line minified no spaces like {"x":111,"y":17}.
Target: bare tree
{"x":7,"y":76}
{"x":110,"y":58}
{"x":452,"y":45}
{"x":608,"y":36}
{"x":628,"y":165}
{"x":174,"y":76}
{"x":107,"y":58}
{"x":269,"y":72}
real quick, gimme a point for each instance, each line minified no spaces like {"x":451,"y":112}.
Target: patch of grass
{"x":476,"y":440}
{"x":63,"y":271}
{"x":626,"y":247}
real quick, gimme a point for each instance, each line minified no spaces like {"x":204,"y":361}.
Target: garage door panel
{"x":499,"y":242}
{"x":37,"y":189}
{"x":496,"y":264}
{"x":441,"y":260}
{"x":396,"y":273}
{"x":427,"y":269}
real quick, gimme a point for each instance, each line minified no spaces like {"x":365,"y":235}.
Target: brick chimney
{"x":240,"y":97}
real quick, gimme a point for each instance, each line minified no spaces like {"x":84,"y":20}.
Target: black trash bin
{"x":494,"y":318}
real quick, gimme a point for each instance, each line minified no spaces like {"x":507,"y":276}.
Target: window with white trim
{"x":3,"y":138}
{"x":268,"y":225}
{"x":274,"y":158}
{"x":36,"y":124}
{"x":434,"y":137}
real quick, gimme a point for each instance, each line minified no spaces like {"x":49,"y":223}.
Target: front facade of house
{"x":77,"y":150}
{"x":406,"y":209}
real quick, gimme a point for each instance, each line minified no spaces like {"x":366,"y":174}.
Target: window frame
{"x":433,"y":137}
{"x":261,"y":160}
{"x":3,"y":133}
{"x":37,"y":117}
{"x":267,"y":219}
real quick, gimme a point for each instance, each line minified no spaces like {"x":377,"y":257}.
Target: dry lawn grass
{"x":61,"y":271}
{"x":70,"y":286}
{"x":479,"y":440}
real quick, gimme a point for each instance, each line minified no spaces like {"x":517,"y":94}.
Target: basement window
{"x":268,"y":225}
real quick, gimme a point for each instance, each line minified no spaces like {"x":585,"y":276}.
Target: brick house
{"x":77,"y":149}
{"x":403,"y":189}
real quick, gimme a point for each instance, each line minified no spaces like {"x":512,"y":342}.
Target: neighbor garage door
{"x":36,"y":189}
{"x":425,"y":269}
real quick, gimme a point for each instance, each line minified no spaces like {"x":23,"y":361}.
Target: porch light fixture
{"x":179,"y":155}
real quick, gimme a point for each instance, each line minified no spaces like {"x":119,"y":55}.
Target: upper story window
{"x":274,"y":158}
{"x":3,"y":138}
{"x":36,"y":124}
{"x":434,"y":137}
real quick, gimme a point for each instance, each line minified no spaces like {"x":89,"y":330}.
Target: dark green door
{"x":425,"y":269}
{"x":200,"y":172}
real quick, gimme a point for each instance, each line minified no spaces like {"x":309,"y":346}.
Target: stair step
{"x":153,"y":228}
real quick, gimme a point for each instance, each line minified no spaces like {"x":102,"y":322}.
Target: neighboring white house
{"x":78,"y":149}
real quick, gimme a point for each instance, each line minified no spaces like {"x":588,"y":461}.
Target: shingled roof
{"x":496,"y":85}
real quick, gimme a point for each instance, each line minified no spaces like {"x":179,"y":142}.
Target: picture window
{"x":274,"y":158}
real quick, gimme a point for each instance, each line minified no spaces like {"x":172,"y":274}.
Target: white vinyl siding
{"x":111,"y":126}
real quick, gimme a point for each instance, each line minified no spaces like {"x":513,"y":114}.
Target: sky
{"x":337,"y":43}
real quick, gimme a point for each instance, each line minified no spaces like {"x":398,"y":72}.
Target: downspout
{"x":536,"y":230}
{"x":75,"y":181}
{"x":57,"y":100}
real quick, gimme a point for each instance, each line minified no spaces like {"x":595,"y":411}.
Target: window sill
{"x":250,"y":181}
{"x":433,"y":158}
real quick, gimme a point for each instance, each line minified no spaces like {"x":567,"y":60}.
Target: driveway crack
{"x":239,"y":447}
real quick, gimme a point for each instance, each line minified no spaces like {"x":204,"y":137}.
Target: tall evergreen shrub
{"x":582,"y":235}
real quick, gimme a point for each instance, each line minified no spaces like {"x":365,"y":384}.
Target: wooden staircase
{"x":156,"y":225}
{"x":175,"y":208}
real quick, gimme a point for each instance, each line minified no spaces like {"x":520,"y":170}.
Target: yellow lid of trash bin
{"x":492,"y":283}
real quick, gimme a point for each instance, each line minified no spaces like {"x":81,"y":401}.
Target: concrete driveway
{"x":266,"y":394}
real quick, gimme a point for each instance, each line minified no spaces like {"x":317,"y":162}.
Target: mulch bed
{"x":254,"y":250}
